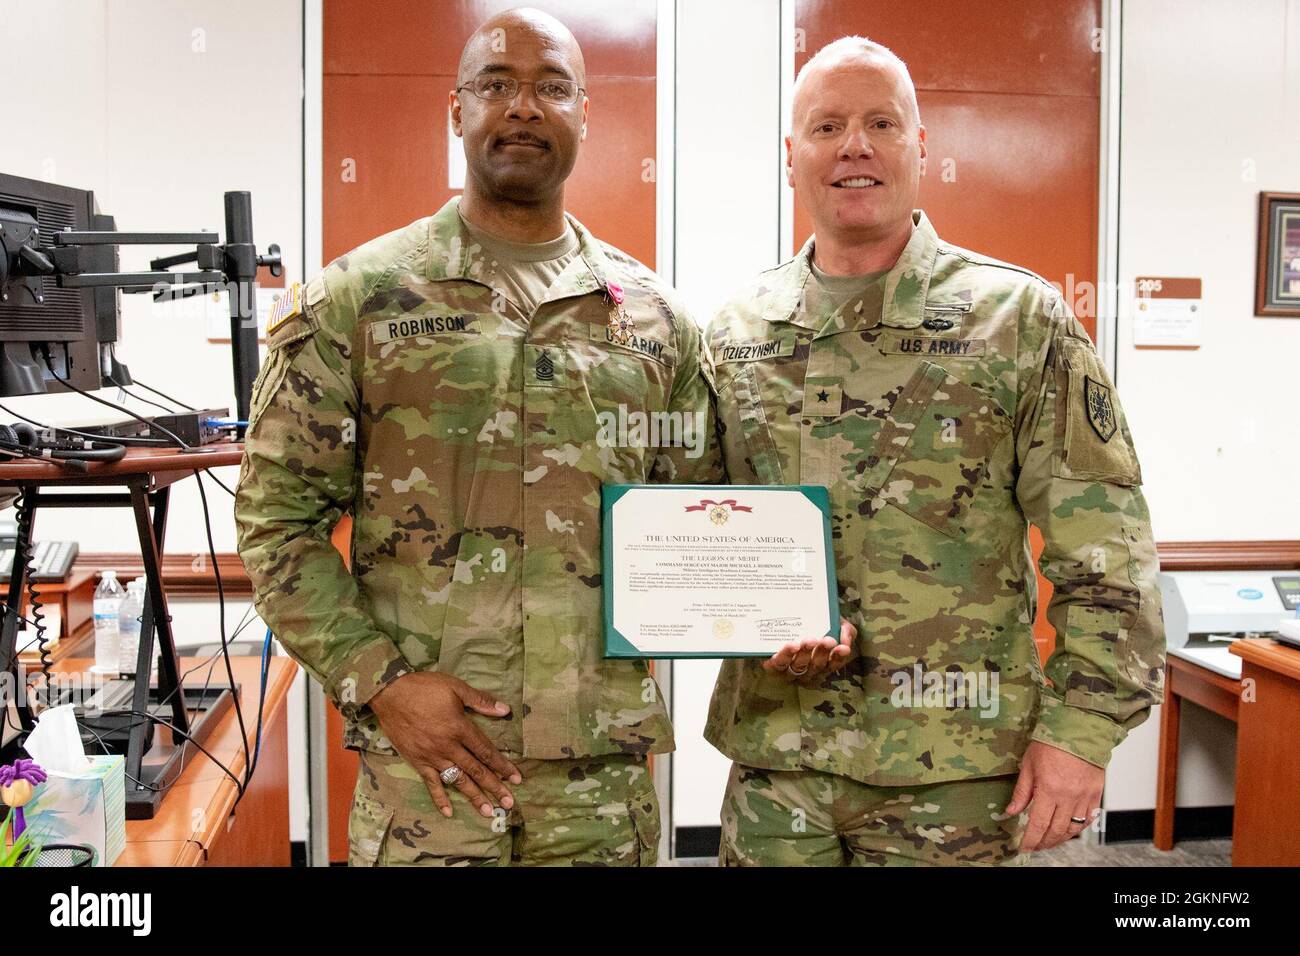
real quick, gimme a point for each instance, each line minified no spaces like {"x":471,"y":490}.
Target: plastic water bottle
{"x":108,"y":602}
{"x":128,"y":627}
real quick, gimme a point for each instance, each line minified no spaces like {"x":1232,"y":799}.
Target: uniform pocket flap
{"x":1094,"y":638}
{"x":1092,"y":438}
{"x":644,"y":812}
{"x":368,"y":825}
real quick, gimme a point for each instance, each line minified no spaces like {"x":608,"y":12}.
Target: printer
{"x":1206,"y":610}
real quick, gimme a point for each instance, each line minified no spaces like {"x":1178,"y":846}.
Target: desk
{"x":1265,"y":831}
{"x":1265,"y":706}
{"x":194,"y":825}
{"x":74,"y":597}
{"x":147,"y":474}
{"x":1201,"y":686}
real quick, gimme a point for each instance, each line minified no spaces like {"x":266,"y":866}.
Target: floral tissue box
{"x":87,"y":808}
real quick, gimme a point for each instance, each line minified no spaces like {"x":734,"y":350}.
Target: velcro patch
{"x":932,"y":346}
{"x":387,"y":330}
{"x":544,"y":366}
{"x":1101,"y":414}
{"x":1090,"y":441}
{"x":822,"y":400}
{"x":288,"y":304}
{"x":650,"y":348}
{"x":752,"y":351}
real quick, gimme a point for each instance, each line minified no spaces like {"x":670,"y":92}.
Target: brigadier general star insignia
{"x":1101,"y":414}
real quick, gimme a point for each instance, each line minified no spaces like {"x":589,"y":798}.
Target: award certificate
{"x":716,"y":570}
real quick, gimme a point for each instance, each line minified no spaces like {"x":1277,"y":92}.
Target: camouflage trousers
{"x":599,"y":811}
{"x":806,"y":818}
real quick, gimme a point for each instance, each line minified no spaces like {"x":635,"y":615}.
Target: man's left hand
{"x":806,"y":662}
{"x":1055,"y":786}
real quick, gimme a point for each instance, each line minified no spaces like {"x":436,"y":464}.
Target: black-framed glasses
{"x":500,"y":86}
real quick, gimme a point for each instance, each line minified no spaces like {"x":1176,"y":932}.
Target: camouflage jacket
{"x":464,"y":439}
{"x":971,"y":405}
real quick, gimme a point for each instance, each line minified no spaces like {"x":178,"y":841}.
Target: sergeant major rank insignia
{"x":1101,"y":414}
{"x":545,"y":368}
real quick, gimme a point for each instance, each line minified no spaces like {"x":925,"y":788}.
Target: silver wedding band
{"x":451,"y":776}
{"x":799,"y":673}
{"x":1079,"y":820}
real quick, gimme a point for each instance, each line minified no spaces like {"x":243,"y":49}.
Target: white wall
{"x":1211,"y":117}
{"x":727,"y":174}
{"x":159,"y":108}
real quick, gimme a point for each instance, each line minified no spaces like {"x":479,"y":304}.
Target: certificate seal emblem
{"x":723,"y":628}
{"x":719,"y":512}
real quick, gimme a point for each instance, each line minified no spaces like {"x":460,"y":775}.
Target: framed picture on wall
{"x":1277,"y":269}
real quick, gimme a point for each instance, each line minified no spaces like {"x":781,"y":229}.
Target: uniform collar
{"x":449,"y":240}
{"x":906,"y":287}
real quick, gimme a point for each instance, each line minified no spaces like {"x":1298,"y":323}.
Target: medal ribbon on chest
{"x":621,"y":327}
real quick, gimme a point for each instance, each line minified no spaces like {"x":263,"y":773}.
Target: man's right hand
{"x":423,"y":715}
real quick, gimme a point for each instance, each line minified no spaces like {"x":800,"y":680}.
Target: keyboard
{"x":114,"y":695}
{"x":52,"y":560}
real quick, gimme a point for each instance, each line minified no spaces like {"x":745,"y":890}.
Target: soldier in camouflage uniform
{"x":448,"y":399}
{"x":948,"y":401}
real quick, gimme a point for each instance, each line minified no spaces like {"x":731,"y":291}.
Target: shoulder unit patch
{"x":1101,"y":414}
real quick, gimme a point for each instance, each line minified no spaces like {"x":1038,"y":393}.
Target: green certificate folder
{"x":716,"y":570}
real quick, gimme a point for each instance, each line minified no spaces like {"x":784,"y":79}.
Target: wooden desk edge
{"x":193,"y":848}
{"x":1268,"y":653}
{"x":137,"y":461}
{"x":277,"y":694}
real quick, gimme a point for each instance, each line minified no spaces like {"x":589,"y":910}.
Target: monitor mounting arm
{"x":230,"y":267}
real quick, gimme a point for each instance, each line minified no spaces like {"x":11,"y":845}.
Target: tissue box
{"x":87,"y":807}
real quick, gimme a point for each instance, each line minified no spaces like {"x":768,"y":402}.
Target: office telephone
{"x":51,"y":560}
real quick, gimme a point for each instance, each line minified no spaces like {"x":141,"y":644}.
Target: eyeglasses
{"x":493,"y":86}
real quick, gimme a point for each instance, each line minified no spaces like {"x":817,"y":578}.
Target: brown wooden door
{"x":388,"y":67}
{"x":1010,"y":98}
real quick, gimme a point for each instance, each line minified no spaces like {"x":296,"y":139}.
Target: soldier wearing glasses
{"x":442,"y":383}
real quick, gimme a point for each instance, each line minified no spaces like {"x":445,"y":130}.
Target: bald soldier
{"x":948,"y":401}
{"x":443,"y":384}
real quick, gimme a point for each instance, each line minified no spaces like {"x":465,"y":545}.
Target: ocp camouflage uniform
{"x":598,"y":811}
{"x":807,"y":818}
{"x":463,"y":437}
{"x":947,"y":411}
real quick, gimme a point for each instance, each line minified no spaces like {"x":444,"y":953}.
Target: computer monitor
{"x":38,"y":316}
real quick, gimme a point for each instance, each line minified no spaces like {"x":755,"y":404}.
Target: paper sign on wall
{"x":1167,"y":313}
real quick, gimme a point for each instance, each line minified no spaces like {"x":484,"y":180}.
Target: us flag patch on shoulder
{"x":288,"y":305}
